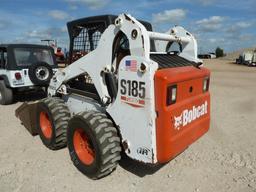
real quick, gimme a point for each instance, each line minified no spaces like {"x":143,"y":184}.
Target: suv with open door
{"x":24,"y":67}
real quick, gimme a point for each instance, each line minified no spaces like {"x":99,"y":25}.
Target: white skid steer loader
{"x":123,"y":95}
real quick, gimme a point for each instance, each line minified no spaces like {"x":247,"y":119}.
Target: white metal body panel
{"x":137,"y":123}
{"x":23,"y":82}
{"x":14,"y":83}
{"x":77,"y":103}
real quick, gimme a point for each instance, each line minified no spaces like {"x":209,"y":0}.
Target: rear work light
{"x":171,"y":94}
{"x":18,"y":76}
{"x":206,"y":84}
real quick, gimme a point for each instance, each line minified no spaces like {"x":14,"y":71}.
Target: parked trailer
{"x":247,"y":58}
{"x":254,"y":59}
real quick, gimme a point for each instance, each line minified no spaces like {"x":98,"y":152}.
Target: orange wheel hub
{"x":83,"y":147}
{"x":45,"y":125}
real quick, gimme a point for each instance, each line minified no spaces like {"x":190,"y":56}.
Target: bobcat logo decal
{"x":187,"y":116}
{"x":178,"y":122}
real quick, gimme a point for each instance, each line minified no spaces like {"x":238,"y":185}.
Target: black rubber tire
{"x":33,"y":77}
{"x":59,"y":116}
{"x":6,"y":97}
{"x":105,"y":141}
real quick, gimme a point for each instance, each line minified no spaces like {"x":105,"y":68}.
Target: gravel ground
{"x":222,"y":160}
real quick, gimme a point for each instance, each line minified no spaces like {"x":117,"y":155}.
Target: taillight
{"x":18,"y":76}
{"x":206,"y":84}
{"x":171,"y":94}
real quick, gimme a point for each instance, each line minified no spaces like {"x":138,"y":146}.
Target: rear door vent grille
{"x":170,"y":61}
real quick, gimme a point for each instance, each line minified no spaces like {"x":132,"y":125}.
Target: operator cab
{"x":85,"y":34}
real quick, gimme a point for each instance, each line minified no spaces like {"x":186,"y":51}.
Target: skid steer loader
{"x":125,"y":95}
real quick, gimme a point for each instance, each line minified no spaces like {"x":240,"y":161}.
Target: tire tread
{"x":107,"y":139}
{"x":60,"y":116}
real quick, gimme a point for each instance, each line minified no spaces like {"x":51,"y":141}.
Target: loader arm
{"x":139,"y":41}
{"x":95,"y":65}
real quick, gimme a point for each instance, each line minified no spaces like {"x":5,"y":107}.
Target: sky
{"x":229,"y":24}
